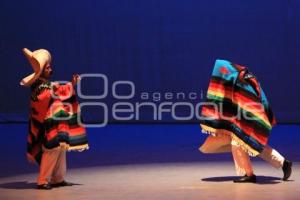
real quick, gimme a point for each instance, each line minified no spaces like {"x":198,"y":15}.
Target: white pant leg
{"x":216,"y":144}
{"x":60,"y":169}
{"x":49,"y":160}
{"x":224,"y":143}
{"x":272,"y":156}
{"x":242,"y":161}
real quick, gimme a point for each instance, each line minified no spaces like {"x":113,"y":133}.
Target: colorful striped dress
{"x":236,"y":105}
{"x":53,"y":119}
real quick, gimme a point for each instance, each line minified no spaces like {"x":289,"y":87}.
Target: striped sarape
{"x":53,"y":120}
{"x":236,"y":105}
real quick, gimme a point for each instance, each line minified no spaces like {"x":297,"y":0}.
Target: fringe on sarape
{"x":237,"y":141}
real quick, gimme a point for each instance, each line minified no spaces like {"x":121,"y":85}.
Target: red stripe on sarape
{"x":239,"y":99}
{"x":63,"y":127}
{"x":229,"y":84}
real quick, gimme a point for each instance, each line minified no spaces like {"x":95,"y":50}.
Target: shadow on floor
{"x":21,"y":185}
{"x":263,"y":180}
{"x":18,"y":185}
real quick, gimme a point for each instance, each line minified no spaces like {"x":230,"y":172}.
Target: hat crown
{"x":38,"y":60}
{"x":42,"y":55}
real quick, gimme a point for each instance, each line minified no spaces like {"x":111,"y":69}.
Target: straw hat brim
{"x":30,"y":79}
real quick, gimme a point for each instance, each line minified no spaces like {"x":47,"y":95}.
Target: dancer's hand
{"x":75,"y":79}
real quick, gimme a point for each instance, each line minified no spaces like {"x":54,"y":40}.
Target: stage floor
{"x":148,"y":162}
{"x":204,"y":180}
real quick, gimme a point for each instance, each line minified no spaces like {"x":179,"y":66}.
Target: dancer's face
{"x":47,"y":72}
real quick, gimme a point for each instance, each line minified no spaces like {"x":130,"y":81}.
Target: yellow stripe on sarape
{"x":257,"y":114}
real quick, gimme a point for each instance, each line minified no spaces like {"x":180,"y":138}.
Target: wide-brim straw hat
{"x":38,"y":60}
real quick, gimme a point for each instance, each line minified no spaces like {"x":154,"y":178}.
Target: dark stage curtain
{"x":161,"y":46}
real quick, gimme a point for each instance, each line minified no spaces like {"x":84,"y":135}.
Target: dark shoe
{"x":62,"y":184}
{"x":246,"y":179}
{"x":287,"y":169}
{"x":45,"y":186}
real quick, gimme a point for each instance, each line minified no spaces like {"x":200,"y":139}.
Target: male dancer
{"x":53,"y":124}
{"x":238,"y":119}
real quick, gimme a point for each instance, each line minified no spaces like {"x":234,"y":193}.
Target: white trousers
{"x":223,"y":143}
{"x":53,"y":166}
